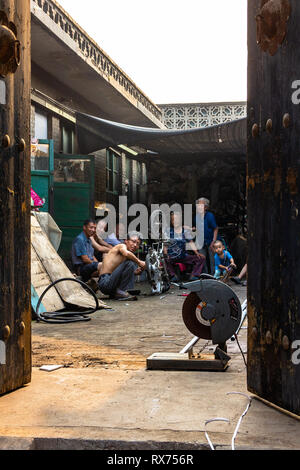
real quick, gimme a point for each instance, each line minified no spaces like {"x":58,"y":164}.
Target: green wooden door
{"x":73,"y":197}
{"x":42,"y":166}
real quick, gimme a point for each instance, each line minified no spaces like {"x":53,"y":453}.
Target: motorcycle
{"x":156,"y":268}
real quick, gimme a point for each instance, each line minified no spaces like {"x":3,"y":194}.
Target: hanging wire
{"x":241,"y":417}
{"x":236,"y":338}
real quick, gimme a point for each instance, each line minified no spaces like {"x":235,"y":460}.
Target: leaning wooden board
{"x":70,"y":292}
{"x":40,"y":280}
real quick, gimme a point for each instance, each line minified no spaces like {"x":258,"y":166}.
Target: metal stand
{"x":211,"y":311}
{"x":187,"y":360}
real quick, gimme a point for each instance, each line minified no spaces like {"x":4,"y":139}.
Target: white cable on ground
{"x":227,"y":420}
{"x":210,"y":421}
{"x":241,"y":417}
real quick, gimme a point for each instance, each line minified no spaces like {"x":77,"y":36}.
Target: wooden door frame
{"x":272,"y":203}
{"x":15,"y":319}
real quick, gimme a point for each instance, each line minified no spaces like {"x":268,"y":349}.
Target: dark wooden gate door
{"x":274,"y":201}
{"x":15,"y":310}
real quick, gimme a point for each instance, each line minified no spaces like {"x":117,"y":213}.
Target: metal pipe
{"x":190,"y":345}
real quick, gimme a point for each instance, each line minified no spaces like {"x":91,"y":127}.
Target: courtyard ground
{"x":105,"y":398}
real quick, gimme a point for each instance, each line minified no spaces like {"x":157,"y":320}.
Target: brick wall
{"x":100,"y":180}
{"x":56,"y":134}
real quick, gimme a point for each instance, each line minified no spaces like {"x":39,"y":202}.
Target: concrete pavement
{"x":104,"y":398}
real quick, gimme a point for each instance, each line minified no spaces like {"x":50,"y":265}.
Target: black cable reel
{"x":66,"y":317}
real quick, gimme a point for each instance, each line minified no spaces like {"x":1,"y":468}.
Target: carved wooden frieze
{"x":272,"y":24}
{"x":9,"y":46}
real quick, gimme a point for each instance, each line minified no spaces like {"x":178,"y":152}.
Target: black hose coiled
{"x":65,"y":317}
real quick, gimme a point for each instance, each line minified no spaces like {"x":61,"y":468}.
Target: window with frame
{"x":112,"y":172}
{"x":40,"y":125}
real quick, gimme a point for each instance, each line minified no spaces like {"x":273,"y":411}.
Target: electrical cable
{"x":211,"y":421}
{"x":236,"y":338}
{"x":66,"y":317}
{"x":241,"y":417}
{"x":227,"y":420}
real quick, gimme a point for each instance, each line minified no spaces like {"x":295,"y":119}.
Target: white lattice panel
{"x":201,"y":115}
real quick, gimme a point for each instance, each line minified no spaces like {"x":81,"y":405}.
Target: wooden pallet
{"x":179,"y":361}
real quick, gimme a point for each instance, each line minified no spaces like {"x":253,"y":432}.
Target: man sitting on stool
{"x":83,"y":258}
{"x":175,"y":250}
{"x":119,"y":267}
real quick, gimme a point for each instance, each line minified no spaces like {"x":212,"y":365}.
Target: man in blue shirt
{"x":84,"y":261}
{"x":210,"y":230}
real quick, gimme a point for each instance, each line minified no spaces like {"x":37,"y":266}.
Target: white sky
{"x":176,"y":51}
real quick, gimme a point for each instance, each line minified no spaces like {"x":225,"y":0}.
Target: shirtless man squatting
{"x":119,"y":268}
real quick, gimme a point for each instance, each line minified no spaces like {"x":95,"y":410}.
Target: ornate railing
{"x":92,"y":51}
{"x":189,"y":116}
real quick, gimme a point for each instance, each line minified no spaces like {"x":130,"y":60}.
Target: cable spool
{"x":65,"y":317}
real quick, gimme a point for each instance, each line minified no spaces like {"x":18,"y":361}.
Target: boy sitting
{"x":224,"y":262}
